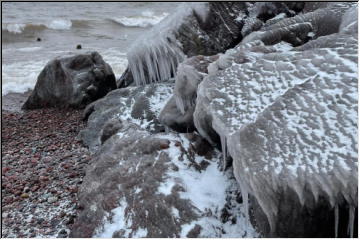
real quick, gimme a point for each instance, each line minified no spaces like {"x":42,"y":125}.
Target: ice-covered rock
{"x":140,"y":105}
{"x":159,"y":185}
{"x":72,"y":81}
{"x":178,"y":112}
{"x":289,"y":121}
{"x":194,"y":29}
{"x":299,"y":29}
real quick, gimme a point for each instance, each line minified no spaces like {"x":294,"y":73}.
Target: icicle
{"x":336,"y":220}
{"x":167,"y":130}
{"x":155,"y":61}
{"x":245,"y":197}
{"x":224,"y":150}
{"x":351,"y":221}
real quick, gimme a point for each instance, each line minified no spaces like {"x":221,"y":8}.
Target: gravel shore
{"x":43,"y":164}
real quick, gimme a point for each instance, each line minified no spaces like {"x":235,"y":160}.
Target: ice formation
{"x":289,"y":119}
{"x":155,"y":56}
{"x":194,"y":29}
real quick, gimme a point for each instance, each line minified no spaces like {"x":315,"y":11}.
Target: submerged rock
{"x":287,"y":117}
{"x":73,"y":81}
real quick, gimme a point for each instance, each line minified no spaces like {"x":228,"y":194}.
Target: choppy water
{"x":108,"y":28}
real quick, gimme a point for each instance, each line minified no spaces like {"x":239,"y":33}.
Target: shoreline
{"x":43,"y":164}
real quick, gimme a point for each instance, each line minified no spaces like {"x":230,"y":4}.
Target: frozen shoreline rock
{"x":140,"y":105}
{"x":288,"y":120}
{"x":195,"y":29}
{"x":178,"y":111}
{"x":72,"y":81}
{"x":282,"y":103}
{"x":142,"y":185}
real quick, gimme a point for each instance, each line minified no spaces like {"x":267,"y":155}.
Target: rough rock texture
{"x":288,"y":118}
{"x":195,"y":29}
{"x":140,"y":105}
{"x":72,"y":81}
{"x":142,"y":185}
{"x":178,"y":111}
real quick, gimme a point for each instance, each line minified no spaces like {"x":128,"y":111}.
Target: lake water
{"x":108,"y":27}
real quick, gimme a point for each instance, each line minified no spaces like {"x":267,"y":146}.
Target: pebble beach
{"x":43,"y":164}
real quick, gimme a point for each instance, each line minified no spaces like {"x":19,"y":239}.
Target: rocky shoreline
{"x":42,"y":167}
{"x":232,"y":120}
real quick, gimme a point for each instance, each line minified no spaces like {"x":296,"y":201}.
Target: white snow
{"x":118,"y":221}
{"x":207,"y":192}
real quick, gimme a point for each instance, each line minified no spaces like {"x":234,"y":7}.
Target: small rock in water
{"x":38,"y":39}
{"x":78,"y":46}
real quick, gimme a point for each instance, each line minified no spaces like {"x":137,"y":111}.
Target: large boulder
{"x":140,"y":105}
{"x":196,"y":29}
{"x":288,"y":118}
{"x":72,"y":81}
{"x":158,"y":185}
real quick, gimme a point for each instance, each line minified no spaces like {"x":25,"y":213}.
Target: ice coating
{"x":155,"y":57}
{"x":289,"y":120}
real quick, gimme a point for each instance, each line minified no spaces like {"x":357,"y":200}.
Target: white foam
{"x":20,"y":77}
{"x":59,"y":24}
{"x":29,"y":49}
{"x":14,"y":27}
{"x":147,"y":19}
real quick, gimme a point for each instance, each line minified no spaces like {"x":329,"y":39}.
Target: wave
{"x":147,"y":19}
{"x":21,"y":76}
{"x":18,"y":28}
{"x":56,"y":24}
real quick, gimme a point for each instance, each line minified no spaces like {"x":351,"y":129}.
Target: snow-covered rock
{"x":139,"y":105}
{"x":159,"y":185}
{"x":288,"y":119}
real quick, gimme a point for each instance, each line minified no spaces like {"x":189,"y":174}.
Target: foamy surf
{"x":20,"y":77}
{"x":147,"y":19}
{"x":56,"y":24}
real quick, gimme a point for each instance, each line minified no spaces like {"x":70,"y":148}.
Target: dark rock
{"x":172,"y":117}
{"x":73,"y":81}
{"x":38,"y":39}
{"x":78,"y":46}
{"x":195,"y":232}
